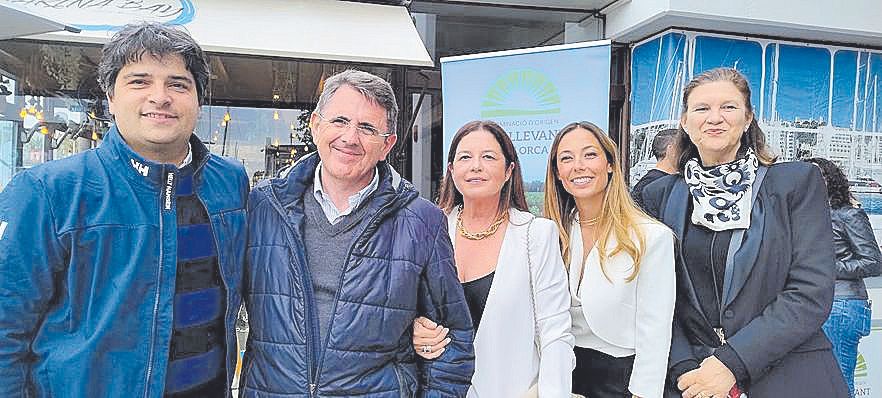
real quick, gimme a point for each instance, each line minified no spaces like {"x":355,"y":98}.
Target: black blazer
{"x":780,"y":292}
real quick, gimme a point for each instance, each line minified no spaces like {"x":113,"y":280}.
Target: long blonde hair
{"x":618,"y":215}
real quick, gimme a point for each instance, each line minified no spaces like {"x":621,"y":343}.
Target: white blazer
{"x":634,"y":315}
{"x":506,"y":359}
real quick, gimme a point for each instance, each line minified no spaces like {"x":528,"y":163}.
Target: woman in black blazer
{"x":754,"y":283}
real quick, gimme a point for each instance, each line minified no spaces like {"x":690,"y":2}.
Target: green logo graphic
{"x":521,"y":92}
{"x":860,"y":370}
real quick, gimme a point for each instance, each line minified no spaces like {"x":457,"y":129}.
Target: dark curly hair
{"x":134,"y":40}
{"x":837,"y":183}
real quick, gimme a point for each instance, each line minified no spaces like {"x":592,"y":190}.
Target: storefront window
{"x":256,"y":111}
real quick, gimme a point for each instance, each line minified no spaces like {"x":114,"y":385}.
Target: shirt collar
{"x":354,"y":200}
{"x":188,"y":158}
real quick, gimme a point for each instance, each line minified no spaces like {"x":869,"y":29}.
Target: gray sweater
{"x":326,"y":249}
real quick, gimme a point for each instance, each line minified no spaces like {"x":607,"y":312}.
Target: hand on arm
{"x":427,"y":333}
{"x":441,"y":299}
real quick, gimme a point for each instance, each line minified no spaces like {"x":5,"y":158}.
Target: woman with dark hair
{"x":509,"y":266}
{"x":857,"y":257}
{"x":620,"y":264}
{"x":754,"y":282}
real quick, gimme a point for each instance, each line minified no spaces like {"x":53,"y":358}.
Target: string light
{"x":23,"y":113}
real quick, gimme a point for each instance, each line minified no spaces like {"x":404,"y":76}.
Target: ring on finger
{"x":426,"y":349}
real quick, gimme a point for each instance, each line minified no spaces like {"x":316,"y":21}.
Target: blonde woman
{"x":511,"y":270}
{"x":620,"y":264}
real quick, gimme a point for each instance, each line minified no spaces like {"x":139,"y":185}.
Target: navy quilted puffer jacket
{"x":399,"y":267}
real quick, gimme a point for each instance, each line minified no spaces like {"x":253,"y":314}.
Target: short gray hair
{"x":134,"y":40}
{"x":373,"y":87}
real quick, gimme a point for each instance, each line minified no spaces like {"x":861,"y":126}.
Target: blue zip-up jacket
{"x":399,"y":266}
{"x":88,"y":253}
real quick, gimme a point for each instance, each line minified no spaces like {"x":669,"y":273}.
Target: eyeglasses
{"x":342,"y":123}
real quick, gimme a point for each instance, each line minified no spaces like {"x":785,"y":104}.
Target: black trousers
{"x":598,"y":375}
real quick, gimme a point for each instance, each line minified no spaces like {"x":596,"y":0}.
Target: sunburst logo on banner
{"x":521,"y":92}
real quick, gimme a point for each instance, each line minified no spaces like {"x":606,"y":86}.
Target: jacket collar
{"x":676,"y":214}
{"x":288,"y":192}
{"x":139,"y":168}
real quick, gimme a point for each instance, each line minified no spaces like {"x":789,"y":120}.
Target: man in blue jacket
{"x":120,"y":266}
{"x":342,"y":256}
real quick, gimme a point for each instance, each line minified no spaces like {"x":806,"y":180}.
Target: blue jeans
{"x":849,"y":321}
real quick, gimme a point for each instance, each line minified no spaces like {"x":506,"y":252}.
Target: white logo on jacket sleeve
{"x":3,"y":225}
{"x":141,"y":168}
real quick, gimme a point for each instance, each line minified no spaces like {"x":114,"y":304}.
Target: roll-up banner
{"x":532,"y":93}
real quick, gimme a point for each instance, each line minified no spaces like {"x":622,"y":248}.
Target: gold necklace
{"x":480,"y":234}
{"x":589,"y":222}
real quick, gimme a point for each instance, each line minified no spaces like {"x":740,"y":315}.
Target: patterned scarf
{"x":721,"y":196}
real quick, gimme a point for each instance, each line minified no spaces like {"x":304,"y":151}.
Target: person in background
{"x":664,"y":148}
{"x":857,"y":257}
{"x":509,"y":266}
{"x":120,"y":266}
{"x":621,"y":268}
{"x":342,"y":255}
{"x":754,"y":275}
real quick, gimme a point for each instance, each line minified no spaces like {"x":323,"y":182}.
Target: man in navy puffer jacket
{"x":342,"y":256}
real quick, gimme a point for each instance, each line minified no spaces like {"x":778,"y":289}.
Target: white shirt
{"x":188,"y":158}
{"x":585,"y":337}
{"x":329,"y":208}
{"x":621,"y":318}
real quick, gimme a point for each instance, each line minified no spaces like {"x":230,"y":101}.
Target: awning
{"x":17,"y":22}
{"x":308,"y":29}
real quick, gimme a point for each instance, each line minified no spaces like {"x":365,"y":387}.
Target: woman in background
{"x":857,"y":257}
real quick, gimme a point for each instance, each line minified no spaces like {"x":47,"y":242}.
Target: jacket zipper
{"x":306,"y":280}
{"x":721,"y":334}
{"x":340,"y":288}
{"x":163,"y":203}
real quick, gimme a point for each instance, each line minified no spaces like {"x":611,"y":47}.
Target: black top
{"x":476,"y":292}
{"x":704,"y":252}
{"x":650,"y":176}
